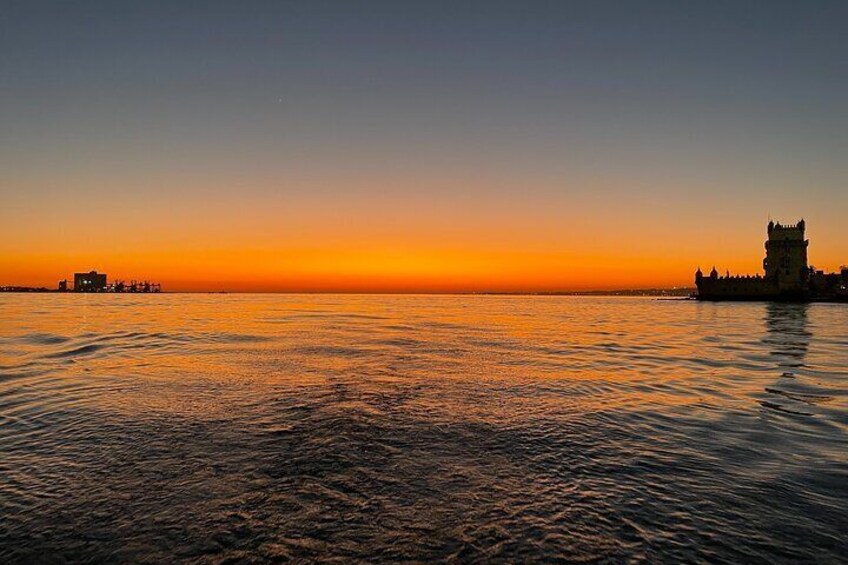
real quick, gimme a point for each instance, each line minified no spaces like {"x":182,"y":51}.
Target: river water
{"x":210,"y":428}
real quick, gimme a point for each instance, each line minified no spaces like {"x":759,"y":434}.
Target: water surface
{"x":470,"y":428}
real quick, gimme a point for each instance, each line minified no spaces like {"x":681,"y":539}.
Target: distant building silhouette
{"x":96,"y":282}
{"x":90,"y":282}
{"x":787,"y":274}
{"x":93,"y":281}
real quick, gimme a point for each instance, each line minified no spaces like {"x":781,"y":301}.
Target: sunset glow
{"x":233,"y":150}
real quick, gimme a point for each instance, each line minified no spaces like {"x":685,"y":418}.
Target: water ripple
{"x":203,"y":428}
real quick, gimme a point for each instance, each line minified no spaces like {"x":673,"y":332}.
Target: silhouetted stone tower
{"x":786,"y":256}
{"x":788,"y":276}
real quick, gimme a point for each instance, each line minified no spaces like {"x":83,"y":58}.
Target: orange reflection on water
{"x":203,"y":355}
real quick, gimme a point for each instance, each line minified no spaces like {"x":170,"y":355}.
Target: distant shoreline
{"x":651,"y":292}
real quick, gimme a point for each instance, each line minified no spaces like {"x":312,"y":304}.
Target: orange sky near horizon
{"x":371,"y":242}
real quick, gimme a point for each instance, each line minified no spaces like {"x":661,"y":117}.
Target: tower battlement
{"x":786,"y":229}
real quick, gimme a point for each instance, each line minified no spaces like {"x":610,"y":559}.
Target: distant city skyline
{"x":418,"y":147}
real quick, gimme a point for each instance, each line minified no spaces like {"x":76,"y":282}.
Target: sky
{"x":417,"y":146}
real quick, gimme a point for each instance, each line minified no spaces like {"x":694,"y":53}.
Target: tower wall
{"x":786,"y":256}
